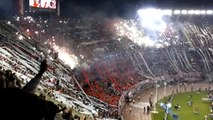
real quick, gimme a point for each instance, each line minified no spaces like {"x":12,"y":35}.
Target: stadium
{"x":154,"y":66}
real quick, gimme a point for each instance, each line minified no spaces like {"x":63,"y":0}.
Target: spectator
{"x":23,"y":104}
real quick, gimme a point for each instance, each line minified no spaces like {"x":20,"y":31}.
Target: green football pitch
{"x":185,"y":112}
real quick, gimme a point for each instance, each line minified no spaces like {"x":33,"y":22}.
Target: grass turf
{"x":186,"y":112}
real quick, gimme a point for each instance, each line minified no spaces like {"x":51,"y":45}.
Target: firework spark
{"x":66,"y":56}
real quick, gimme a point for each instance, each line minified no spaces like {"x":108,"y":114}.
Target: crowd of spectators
{"x":22,"y":58}
{"x":106,"y":67}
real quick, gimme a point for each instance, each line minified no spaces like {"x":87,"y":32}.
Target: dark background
{"x":110,"y":8}
{"x":125,"y":8}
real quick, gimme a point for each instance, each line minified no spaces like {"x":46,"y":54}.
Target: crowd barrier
{"x":148,"y":84}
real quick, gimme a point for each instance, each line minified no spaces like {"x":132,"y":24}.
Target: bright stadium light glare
{"x":190,"y":12}
{"x":203,"y":12}
{"x":166,"y":12}
{"x":209,"y":12}
{"x":148,"y":11}
{"x":176,"y":12}
{"x":197,"y":12}
{"x":152,"y":19}
{"x":184,"y":12}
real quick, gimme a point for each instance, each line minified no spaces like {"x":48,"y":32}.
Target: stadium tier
{"x":94,"y":64}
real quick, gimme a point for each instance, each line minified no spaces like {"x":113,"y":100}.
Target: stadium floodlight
{"x":184,"y":12}
{"x":176,"y":12}
{"x":190,"y":12}
{"x":197,"y":12}
{"x":166,"y":12}
{"x":152,"y":18}
{"x":148,"y":12}
{"x":203,"y":12}
{"x":209,"y":12}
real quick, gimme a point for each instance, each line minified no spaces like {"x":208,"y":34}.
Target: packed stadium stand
{"x":91,"y":66}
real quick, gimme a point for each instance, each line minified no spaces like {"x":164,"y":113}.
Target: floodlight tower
{"x":20,"y":7}
{"x":58,"y":7}
{"x":156,"y":97}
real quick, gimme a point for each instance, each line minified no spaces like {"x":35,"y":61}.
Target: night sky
{"x":111,"y":8}
{"x":126,"y":8}
{"x":7,"y":8}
